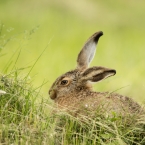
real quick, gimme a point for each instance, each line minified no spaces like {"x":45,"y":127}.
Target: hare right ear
{"x":88,"y":51}
{"x":96,"y":74}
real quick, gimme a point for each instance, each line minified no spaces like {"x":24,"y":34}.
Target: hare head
{"x":82,"y":77}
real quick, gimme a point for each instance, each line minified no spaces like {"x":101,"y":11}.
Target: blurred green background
{"x":65,"y":25}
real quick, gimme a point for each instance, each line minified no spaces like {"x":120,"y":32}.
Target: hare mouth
{"x":53,"y":95}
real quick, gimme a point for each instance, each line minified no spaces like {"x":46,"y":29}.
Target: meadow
{"x":40,"y":40}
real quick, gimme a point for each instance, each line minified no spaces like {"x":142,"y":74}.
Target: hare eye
{"x":64,"y":82}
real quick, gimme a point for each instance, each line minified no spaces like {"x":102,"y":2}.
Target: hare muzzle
{"x":52,"y":94}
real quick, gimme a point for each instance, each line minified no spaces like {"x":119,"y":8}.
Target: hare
{"x":73,"y":90}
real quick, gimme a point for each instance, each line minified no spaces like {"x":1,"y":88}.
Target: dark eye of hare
{"x":64,"y":82}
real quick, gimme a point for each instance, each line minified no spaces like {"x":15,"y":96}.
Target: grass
{"x":24,"y":120}
{"x":21,"y":119}
{"x":26,"y":112}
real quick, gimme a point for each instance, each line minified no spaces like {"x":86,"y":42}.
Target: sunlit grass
{"x":19,"y":112}
{"x":24,"y":120}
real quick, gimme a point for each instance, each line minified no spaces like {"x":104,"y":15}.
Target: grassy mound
{"x":25,"y":120}
{"x":100,"y":130}
{"x":21,"y":118}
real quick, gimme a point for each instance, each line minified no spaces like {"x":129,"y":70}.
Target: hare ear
{"x":95,"y":74}
{"x":88,"y":51}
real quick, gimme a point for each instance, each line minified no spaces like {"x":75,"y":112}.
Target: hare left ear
{"x":95,"y":74}
{"x":88,"y":51}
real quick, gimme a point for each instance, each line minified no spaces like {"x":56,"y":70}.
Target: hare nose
{"x":52,"y":94}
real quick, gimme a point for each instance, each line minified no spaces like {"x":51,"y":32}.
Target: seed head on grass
{"x":2,"y":92}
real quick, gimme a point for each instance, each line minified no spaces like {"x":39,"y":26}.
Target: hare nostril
{"x":49,"y":92}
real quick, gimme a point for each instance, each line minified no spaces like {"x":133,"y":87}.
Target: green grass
{"x":24,"y":120}
{"x":51,"y":34}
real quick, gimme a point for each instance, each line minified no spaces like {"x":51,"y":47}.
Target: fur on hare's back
{"x":73,"y":90}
